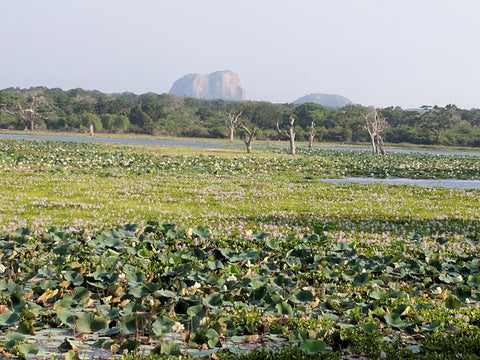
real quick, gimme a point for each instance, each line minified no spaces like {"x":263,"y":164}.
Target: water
{"x":208,"y":144}
{"x":111,"y":140}
{"x":448,"y":183}
{"x":408,"y":151}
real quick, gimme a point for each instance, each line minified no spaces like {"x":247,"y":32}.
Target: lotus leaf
{"x":67,"y":345}
{"x":272,"y":244}
{"x":131,"y":345}
{"x":284,"y":308}
{"x":47,"y":272}
{"x":201,"y":232}
{"x":213,"y":300}
{"x":45,"y":285}
{"x":304,"y":296}
{"x":212,"y":337}
{"x":89,"y":322}
{"x":433,"y":325}
{"x":80,"y":294}
{"x":167,"y":294}
{"x":162,"y":325}
{"x":313,"y":347}
{"x":28,"y":350}
{"x":135,"y":278}
{"x":72,"y":355}
{"x":473,"y":280}
{"x":9,"y":318}
{"x":170,"y":348}
{"x":68,"y":317}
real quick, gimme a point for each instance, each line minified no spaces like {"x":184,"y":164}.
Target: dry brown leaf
{"x":48,"y":294}
{"x":252,"y":338}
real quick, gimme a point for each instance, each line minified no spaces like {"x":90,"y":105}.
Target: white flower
{"x":196,"y":285}
{"x":232,"y":278}
{"x":177,"y":327}
{"x":121,"y":277}
{"x":2,"y":268}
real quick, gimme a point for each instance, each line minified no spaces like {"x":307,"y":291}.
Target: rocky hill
{"x":217,"y":85}
{"x":328,"y":100}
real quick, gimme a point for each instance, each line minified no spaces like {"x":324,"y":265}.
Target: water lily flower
{"x":2,"y":268}
{"x":178,"y":327}
{"x":121,"y":277}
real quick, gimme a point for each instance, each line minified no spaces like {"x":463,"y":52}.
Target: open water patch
{"x":205,"y":144}
{"x":448,"y":183}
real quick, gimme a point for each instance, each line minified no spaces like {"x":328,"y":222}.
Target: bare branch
{"x":233,"y":122}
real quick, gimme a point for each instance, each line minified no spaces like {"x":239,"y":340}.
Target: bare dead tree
{"x":249,"y":136}
{"x":374,"y":124}
{"x":311,"y":134}
{"x":290,"y":134}
{"x":233,"y":121}
{"x":31,"y":112}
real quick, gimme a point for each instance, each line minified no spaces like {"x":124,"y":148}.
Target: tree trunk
{"x":374,"y":146}
{"x":380,"y":149}
{"x":32,"y":121}
{"x":249,"y":138}
{"x":290,"y":135}
{"x":292,"y":145}
{"x":249,"y":142}
{"x":233,"y":121}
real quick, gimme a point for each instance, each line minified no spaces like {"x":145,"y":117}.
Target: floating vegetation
{"x":122,"y":251}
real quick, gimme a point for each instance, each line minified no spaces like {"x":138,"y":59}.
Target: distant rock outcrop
{"x":328,"y":100}
{"x":218,"y":85}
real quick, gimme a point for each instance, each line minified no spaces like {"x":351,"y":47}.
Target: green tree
{"x":437,"y":119}
{"x":140,"y":121}
{"x":88,"y":119}
{"x":121,"y":123}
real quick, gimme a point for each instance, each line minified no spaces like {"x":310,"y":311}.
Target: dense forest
{"x":77,"y":110}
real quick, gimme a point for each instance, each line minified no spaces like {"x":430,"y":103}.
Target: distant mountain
{"x":217,"y":85}
{"x":328,"y":100}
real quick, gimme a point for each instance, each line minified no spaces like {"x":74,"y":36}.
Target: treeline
{"x":77,"y":110}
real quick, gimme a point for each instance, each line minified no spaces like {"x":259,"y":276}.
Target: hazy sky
{"x":375,"y":52}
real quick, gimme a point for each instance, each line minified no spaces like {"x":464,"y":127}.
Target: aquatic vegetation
{"x":133,"y":248}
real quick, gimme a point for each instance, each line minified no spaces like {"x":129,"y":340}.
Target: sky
{"x":378,"y":53}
